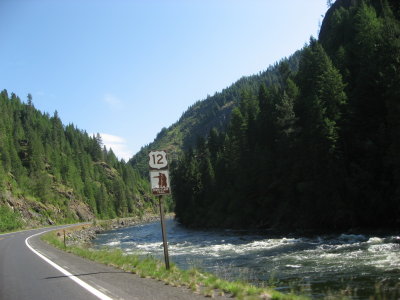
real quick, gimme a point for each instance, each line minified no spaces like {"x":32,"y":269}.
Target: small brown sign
{"x":160,"y":182}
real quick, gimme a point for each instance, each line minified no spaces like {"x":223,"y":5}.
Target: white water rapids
{"x":354,"y":264}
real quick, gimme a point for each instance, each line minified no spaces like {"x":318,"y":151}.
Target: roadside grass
{"x":149,"y":267}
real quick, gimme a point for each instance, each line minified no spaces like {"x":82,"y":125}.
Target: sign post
{"x":164,"y":233}
{"x":159,"y":179}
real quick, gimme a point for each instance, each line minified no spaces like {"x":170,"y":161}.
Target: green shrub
{"x":9,"y":220}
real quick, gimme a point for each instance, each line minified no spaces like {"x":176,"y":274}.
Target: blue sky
{"x":126,"y":68}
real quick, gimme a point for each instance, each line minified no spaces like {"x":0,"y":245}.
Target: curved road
{"x":31,"y":269}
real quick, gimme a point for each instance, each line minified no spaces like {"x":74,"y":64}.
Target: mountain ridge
{"x":203,"y":115}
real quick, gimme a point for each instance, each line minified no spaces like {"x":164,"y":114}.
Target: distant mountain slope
{"x":54,"y":173}
{"x":213,"y":112}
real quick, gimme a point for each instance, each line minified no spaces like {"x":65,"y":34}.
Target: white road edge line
{"x":83,"y":284}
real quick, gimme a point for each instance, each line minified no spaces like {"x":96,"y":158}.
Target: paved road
{"x":25,"y":274}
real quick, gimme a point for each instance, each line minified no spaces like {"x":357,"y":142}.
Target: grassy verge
{"x":199,"y":282}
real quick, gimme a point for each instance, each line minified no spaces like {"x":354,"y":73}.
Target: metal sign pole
{"x":164,"y":233}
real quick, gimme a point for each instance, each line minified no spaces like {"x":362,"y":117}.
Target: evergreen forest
{"x":213,"y":112}
{"x":316,"y":149}
{"x":311,"y":143}
{"x":51,"y":173}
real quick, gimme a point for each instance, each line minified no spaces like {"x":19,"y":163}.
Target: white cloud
{"x":118,"y":145}
{"x":113,"y":101}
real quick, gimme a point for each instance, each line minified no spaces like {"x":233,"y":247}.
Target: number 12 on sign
{"x":158,"y":160}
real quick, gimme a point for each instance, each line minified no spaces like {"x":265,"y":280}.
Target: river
{"x":344,"y":264}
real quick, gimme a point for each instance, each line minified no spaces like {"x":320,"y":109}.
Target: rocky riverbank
{"x":84,"y":234}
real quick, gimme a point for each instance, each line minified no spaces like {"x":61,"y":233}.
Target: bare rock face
{"x":81,"y":210}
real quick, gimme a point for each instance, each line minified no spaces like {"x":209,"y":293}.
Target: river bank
{"x":355,"y":264}
{"x":82,"y":235}
{"x":79,"y":237}
{"x":358,"y":265}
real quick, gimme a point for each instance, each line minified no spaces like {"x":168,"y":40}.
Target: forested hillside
{"x":54,"y":173}
{"x":213,"y":112}
{"x":319,"y":151}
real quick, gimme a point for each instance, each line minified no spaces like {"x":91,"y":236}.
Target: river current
{"x":357,"y":266}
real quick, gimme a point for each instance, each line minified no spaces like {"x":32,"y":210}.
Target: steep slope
{"x":54,"y":173}
{"x":321,"y":151}
{"x":213,"y":112}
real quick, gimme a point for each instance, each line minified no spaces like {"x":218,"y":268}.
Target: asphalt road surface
{"x":31,"y":269}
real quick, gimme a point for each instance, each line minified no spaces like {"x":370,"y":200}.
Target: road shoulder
{"x":111,"y":281}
